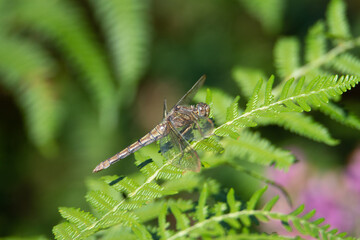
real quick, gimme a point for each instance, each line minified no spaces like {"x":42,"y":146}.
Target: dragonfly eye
{"x":202,"y":109}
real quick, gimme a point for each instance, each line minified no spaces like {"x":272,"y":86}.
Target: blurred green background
{"x":80,"y":80}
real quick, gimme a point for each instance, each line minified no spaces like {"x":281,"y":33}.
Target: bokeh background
{"x":80,"y":80}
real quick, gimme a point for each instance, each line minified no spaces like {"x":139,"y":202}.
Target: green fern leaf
{"x":232,"y":111}
{"x":65,"y":231}
{"x":286,"y":56}
{"x":298,"y":210}
{"x":233,"y":204}
{"x":125,"y":184}
{"x":268,"y":95}
{"x":80,"y":218}
{"x":251,"y":204}
{"x":255,"y":149}
{"x":163,"y":171}
{"x":67,"y":27}
{"x":253,"y":101}
{"x":269,"y":13}
{"x":145,"y":164}
{"x":338,"y":114}
{"x":182,"y":222}
{"x":315,"y":42}
{"x":269,"y":205}
{"x":163,"y":224}
{"x":168,"y":172}
{"x":336,"y":19}
{"x":116,"y":218}
{"x":247,"y":79}
{"x":285,"y":90}
{"x":302,"y":125}
{"x":233,"y":207}
{"x":141,"y":232}
{"x":318,"y":221}
{"x":127,"y":31}
{"x":333,"y":87}
{"x":150,"y":191}
{"x":300,"y":228}
{"x":25,"y":71}
{"x":211,"y":227}
{"x":100,"y":200}
{"x":201,"y":208}
{"x":346,"y":63}
{"x":230,"y":128}
{"x":209,"y":144}
{"x":309,"y":215}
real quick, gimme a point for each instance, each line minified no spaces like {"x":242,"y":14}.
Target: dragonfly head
{"x":202,"y":109}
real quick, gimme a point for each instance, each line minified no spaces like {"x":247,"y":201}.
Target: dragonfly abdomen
{"x":155,"y":134}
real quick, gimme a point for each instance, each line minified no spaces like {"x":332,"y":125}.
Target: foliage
{"x":39,"y":78}
{"x":45,"y":63}
{"x":269,"y":13}
{"x":301,"y":89}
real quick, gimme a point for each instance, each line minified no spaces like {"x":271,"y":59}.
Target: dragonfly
{"x":181,"y":125}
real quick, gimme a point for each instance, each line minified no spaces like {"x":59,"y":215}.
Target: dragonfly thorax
{"x":202,"y":110}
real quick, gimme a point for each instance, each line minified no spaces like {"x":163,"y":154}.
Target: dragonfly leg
{"x":182,"y":153}
{"x":165,"y":109}
{"x":185,"y":131}
{"x":198,"y":126}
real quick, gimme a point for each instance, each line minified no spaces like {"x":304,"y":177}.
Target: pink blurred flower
{"x":335,"y":195}
{"x":352,"y":175}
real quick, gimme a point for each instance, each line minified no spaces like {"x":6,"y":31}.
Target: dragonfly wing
{"x":185,"y":100}
{"x":176,"y":149}
{"x":203,"y":128}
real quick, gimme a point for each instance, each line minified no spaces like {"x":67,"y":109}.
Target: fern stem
{"x":340,"y":48}
{"x":322,"y":233}
{"x":269,"y":106}
{"x":132,"y":194}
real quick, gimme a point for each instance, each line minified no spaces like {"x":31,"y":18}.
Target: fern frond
{"x":190,"y":182}
{"x":127,"y":31}
{"x":246,"y":79}
{"x":201,"y":208}
{"x":316,"y":94}
{"x":317,"y":57}
{"x":346,"y":63}
{"x":316,"y":65}
{"x":65,"y":231}
{"x":336,"y":19}
{"x":255,"y":149}
{"x":209,"y":144}
{"x":232,"y":111}
{"x":101,"y":201}
{"x":122,"y":211}
{"x":211,"y":225}
{"x":66,"y":27}
{"x":148,"y":167}
{"x":315,"y":42}
{"x":163,"y":224}
{"x":340,"y":115}
{"x":254,"y":99}
{"x":303,"y":125}
{"x":80,"y":218}
{"x":26,"y":70}
{"x":269,"y":13}
{"x":286,"y":53}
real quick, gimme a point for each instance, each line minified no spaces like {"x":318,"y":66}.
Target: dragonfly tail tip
{"x":97,"y":169}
